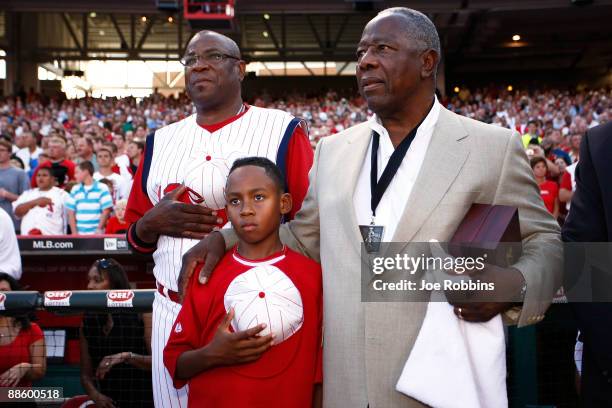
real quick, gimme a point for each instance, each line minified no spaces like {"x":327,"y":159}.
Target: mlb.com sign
{"x":119,"y":298}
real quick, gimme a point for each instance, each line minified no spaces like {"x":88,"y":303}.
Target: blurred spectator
{"x":119,"y":141}
{"x":117,"y":224}
{"x":17,"y":163}
{"x":85,"y":152}
{"x":43,"y":157}
{"x":575,"y":140}
{"x":10,"y":260}
{"x":62,"y":168}
{"x":22,"y":345}
{"x":557,"y":147}
{"x":134,"y":152}
{"x":29,"y":154}
{"x":13,"y":182}
{"x":531,"y":136}
{"x":121,"y":186}
{"x":568,"y":185}
{"x":89,"y":203}
{"x":41,"y":209}
{"x":98,"y":142}
{"x":115,"y":348}
{"x":527,"y":111}
{"x":548,"y":189}
{"x":19,"y":140}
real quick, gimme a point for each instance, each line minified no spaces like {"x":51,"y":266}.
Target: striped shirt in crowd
{"x":88,"y":203}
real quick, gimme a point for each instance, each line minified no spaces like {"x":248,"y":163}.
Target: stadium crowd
{"x":92,"y":147}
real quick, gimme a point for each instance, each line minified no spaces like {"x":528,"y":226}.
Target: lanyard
{"x":377,"y":189}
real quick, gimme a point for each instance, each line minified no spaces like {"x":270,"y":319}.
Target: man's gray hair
{"x":419,"y":28}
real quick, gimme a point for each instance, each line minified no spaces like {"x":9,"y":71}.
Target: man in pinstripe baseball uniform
{"x":177,"y":194}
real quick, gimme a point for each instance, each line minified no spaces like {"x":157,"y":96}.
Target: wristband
{"x":137,"y":243}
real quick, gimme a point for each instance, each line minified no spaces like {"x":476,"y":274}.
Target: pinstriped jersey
{"x":258,"y":132}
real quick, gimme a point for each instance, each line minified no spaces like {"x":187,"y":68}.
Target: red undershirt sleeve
{"x":138,"y":204}
{"x":299,"y":160}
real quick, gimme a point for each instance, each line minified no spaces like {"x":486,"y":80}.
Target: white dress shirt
{"x":396,"y":196}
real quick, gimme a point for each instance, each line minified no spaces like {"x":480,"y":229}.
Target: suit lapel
{"x":444,"y":159}
{"x":353,"y":156}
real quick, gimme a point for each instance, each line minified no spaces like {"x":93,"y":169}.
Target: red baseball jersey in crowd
{"x":285,"y":375}
{"x":63,"y":171}
{"x":549,"y":192}
{"x":566,"y":181}
{"x":114,"y":226}
{"x":18,"y":351}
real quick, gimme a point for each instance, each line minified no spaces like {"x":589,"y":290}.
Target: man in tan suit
{"x":452,"y":163}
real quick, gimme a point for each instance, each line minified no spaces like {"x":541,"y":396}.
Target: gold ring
{"x":107,"y":363}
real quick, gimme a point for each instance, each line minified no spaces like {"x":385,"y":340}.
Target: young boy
{"x":258,"y":281}
{"x":89,"y":203}
{"x":41,"y":209}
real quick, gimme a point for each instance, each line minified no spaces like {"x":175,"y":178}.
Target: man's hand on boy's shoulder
{"x":229,"y":348}
{"x":208,"y":252}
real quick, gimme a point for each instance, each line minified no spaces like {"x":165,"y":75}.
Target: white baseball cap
{"x":265,"y":294}
{"x":206,"y":174}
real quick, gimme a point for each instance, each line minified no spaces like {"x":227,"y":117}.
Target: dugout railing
{"x":62,"y":343}
{"x":539,"y":357}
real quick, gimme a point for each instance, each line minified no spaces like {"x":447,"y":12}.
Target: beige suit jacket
{"x":366,"y":344}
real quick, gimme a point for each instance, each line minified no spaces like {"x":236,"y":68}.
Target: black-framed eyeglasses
{"x":213,"y":58}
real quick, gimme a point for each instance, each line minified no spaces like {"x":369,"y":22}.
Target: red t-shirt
{"x":299,"y":160}
{"x":18,"y":351}
{"x":549,"y":192}
{"x":114,"y":226}
{"x":566,"y":181}
{"x":246,"y":385}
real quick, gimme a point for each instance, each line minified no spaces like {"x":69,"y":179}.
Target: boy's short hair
{"x":139,"y":143}
{"x":537,"y":159}
{"x":59,"y":140}
{"x":47,"y":169}
{"x":271,"y":169}
{"x":4,"y":142}
{"x":105,"y":149}
{"x":87,"y":166}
